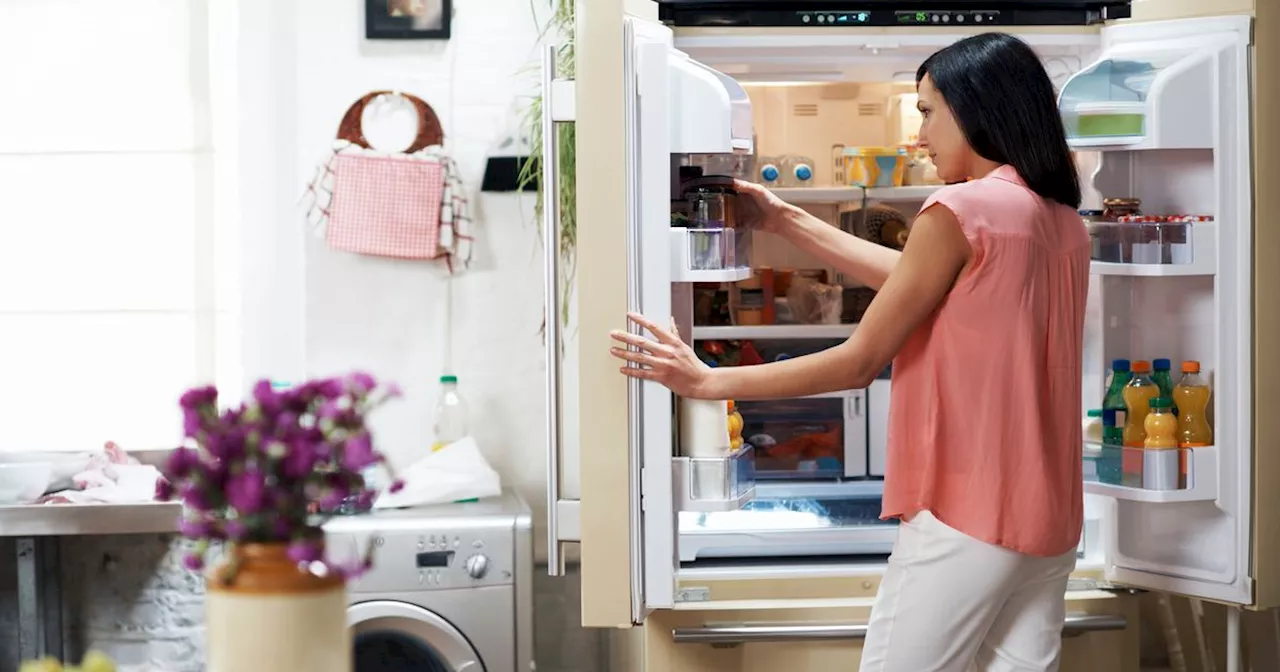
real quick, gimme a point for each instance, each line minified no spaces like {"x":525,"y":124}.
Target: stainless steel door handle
{"x":1074,"y":626}
{"x":550,"y":179}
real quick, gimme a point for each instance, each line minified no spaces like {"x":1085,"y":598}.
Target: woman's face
{"x":941,"y":135}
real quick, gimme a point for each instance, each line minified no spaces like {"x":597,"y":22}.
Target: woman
{"x":982,"y":316}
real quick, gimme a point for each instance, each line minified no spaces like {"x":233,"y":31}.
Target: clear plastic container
{"x":711,"y":249}
{"x":1144,"y":239}
{"x":768,"y":172}
{"x":875,"y":166}
{"x":795,"y":171}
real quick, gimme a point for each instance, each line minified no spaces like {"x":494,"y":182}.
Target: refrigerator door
{"x":1177,"y":521}
{"x":636,"y":99}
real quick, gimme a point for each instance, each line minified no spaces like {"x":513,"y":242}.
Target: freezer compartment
{"x":1151,"y":474}
{"x":708,"y":255}
{"x":788,"y":520}
{"x":715,"y":483}
{"x":1153,"y":241}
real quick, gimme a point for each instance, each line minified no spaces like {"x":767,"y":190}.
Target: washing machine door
{"x":389,"y":636}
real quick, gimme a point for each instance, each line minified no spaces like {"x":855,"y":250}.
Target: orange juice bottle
{"x":1192,"y":395}
{"x":1161,"y":466}
{"x":1160,"y":425}
{"x":1138,"y":394}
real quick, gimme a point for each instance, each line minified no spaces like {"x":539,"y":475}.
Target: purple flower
{"x":396,"y":485}
{"x":246,"y":491}
{"x":192,"y":422}
{"x":195,"y":529}
{"x":197,"y":398}
{"x":306,"y":550}
{"x":361,"y":383}
{"x":193,"y":562}
{"x":181,"y":462}
{"x":357,"y":452}
{"x":228,"y":446}
{"x":300,"y":459}
{"x":164,"y":490}
{"x":193,"y":496}
{"x":235,"y":529}
{"x":268,"y":399}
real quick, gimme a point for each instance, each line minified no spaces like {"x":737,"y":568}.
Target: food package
{"x":813,"y":302}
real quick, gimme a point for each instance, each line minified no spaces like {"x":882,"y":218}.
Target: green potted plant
{"x":559,"y":26}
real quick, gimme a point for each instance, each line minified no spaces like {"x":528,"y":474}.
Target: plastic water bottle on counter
{"x":451,"y":414}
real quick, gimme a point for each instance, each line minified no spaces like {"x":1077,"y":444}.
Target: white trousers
{"x":951,"y":603}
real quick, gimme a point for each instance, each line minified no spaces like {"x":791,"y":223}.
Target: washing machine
{"x":451,"y":588}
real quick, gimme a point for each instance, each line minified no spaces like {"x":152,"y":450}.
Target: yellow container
{"x":875,"y":166}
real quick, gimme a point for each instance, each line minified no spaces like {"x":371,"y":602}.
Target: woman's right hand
{"x":759,"y":208}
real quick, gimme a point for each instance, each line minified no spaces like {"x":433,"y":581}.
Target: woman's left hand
{"x":665,"y":359}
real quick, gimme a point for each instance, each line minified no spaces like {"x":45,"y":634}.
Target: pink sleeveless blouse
{"x":985,"y":410}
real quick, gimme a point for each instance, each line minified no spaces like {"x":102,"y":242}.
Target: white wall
{"x":389,"y":316}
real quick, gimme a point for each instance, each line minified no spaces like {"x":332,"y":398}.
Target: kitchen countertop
{"x":45,"y":520}
{"x":41,"y":520}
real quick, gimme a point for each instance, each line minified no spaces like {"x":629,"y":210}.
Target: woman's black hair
{"x":1005,"y":105}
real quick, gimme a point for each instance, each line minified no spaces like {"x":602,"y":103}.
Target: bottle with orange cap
{"x":1192,"y":396}
{"x":735,"y":427}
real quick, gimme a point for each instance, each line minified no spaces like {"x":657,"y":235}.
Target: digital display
{"x":434,"y":559}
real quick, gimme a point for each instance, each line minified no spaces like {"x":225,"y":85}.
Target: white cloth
{"x":951,"y":603}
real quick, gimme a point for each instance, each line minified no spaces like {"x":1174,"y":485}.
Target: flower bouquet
{"x":248,"y":477}
{"x":250,"y":474}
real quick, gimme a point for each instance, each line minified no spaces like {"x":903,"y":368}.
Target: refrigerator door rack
{"x":1154,"y":248}
{"x":1152,"y":475}
{"x":715,"y":483}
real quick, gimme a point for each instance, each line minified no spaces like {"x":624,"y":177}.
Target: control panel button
{"x":478,"y":565}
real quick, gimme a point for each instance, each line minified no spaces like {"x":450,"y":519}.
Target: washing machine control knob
{"x":478,"y":565}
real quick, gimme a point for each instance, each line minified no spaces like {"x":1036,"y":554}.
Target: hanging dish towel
{"x":404,"y":205}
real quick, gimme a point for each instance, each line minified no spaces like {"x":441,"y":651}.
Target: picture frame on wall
{"x":407,"y":19}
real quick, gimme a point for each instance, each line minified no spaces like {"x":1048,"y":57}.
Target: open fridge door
{"x":1167,"y":105}
{"x":635,"y":102}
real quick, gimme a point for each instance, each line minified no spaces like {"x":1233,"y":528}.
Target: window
{"x":118,"y":263}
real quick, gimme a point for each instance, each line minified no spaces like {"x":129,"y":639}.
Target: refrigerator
{"x":1187,"y":89}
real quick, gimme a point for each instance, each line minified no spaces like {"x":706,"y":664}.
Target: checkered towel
{"x":390,"y":204}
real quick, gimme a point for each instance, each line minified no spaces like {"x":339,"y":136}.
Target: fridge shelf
{"x":715,"y":483}
{"x":706,"y":255}
{"x":773,"y":332}
{"x":1154,"y":249}
{"x":823,"y":195}
{"x":1151,"y":475}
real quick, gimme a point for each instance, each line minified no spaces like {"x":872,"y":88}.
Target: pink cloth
{"x":984,"y":417}
{"x":386,"y":206}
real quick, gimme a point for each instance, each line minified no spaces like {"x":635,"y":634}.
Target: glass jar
{"x":712,"y":202}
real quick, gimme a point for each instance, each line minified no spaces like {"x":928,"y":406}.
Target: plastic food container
{"x":1145,"y":239}
{"x":1109,"y":119}
{"x":875,"y":166}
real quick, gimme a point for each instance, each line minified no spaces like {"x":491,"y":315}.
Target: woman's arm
{"x":862,"y":259}
{"x":936,"y":254}
{"x":865,"y":261}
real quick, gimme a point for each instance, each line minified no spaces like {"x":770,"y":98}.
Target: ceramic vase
{"x":265,"y":612}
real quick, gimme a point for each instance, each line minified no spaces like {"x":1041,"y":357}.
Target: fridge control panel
{"x":881,"y":14}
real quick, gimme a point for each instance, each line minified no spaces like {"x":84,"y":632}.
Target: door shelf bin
{"x":708,"y":255}
{"x":1151,"y":475}
{"x":1153,"y":248}
{"x":715,"y":483}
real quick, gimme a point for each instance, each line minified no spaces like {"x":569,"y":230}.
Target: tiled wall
{"x":129,"y":596}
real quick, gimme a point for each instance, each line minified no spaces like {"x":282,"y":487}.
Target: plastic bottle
{"x":1192,"y":395}
{"x":1114,"y":398}
{"x":1093,"y":426}
{"x":1138,"y":393}
{"x":1160,"y":464}
{"x":1163,"y":379}
{"x":451,"y":414}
